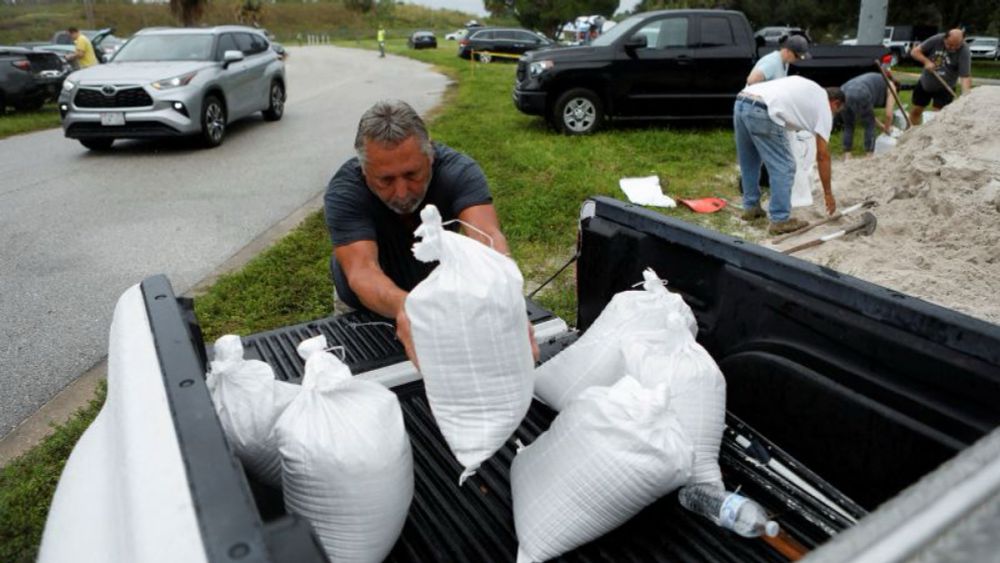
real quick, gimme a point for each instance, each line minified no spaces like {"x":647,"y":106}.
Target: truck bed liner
{"x":475,"y":522}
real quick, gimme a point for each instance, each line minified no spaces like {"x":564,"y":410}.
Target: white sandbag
{"x":612,"y":452}
{"x":470,"y":335}
{"x":248,"y":401}
{"x":885,"y":143}
{"x":347,"y":466}
{"x":673,"y":360}
{"x":595,"y":359}
{"x":803,"y":145}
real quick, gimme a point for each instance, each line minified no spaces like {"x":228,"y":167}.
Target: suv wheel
{"x":485,"y":57}
{"x":101,"y":144}
{"x":578,"y":112}
{"x":213,"y":121}
{"x":277,"y":98}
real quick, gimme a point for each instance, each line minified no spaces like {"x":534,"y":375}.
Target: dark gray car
{"x":29,"y":78}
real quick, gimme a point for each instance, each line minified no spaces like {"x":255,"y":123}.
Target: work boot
{"x":782,"y":227}
{"x":754,"y":212}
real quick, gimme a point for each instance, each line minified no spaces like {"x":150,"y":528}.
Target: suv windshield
{"x":615,"y":32}
{"x":170,"y":47}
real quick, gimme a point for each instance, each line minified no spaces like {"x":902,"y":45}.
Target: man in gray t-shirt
{"x":947,"y":56}
{"x":373,"y":206}
{"x":864,"y":93}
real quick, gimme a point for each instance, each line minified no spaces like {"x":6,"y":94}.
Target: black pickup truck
{"x":671,"y":64}
{"x":844,"y":401}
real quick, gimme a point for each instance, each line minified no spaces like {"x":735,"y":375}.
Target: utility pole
{"x":871,"y":21}
{"x":88,"y":11}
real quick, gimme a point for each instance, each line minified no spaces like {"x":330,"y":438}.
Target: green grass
{"x":28,"y":483}
{"x":16,"y":122}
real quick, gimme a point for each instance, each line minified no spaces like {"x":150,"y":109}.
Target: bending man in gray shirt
{"x":864,"y":93}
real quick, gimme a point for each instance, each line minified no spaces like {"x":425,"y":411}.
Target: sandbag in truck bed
{"x":470,"y":335}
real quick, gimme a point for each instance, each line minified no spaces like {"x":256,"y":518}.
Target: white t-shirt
{"x":795,"y":103}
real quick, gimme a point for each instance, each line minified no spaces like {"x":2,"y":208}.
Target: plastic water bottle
{"x":730,"y":510}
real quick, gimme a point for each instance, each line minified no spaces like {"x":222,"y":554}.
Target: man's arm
{"x":484,"y":218}
{"x":823,"y":164}
{"x":918,"y":55}
{"x":890,"y":106}
{"x":756,"y":75}
{"x":359,"y":261}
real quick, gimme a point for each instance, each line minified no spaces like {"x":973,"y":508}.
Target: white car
{"x":984,"y":47}
{"x":456,"y":35}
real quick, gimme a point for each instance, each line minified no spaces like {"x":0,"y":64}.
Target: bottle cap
{"x":771,"y":528}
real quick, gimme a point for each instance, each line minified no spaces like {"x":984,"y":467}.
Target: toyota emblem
{"x":108,"y":90}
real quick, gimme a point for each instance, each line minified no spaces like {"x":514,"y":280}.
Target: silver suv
{"x":174,"y":81}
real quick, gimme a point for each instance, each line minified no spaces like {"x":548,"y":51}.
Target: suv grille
{"x":124,"y":98}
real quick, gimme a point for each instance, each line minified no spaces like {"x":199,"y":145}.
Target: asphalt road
{"x":78,"y":228}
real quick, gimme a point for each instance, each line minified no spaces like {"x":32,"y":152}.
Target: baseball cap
{"x":798,"y":45}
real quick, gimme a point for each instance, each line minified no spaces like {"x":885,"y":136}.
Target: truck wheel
{"x":277,"y":102}
{"x":97,"y":144}
{"x":578,"y":112}
{"x":213,"y":121}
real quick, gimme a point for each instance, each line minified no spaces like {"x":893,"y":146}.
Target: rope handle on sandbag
{"x":343,"y":351}
{"x":470,"y":226}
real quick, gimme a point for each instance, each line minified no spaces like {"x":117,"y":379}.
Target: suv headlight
{"x":175,"y":82}
{"x":537,"y":68}
{"x":68,"y":85}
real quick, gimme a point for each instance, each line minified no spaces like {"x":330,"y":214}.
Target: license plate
{"x":113,"y":119}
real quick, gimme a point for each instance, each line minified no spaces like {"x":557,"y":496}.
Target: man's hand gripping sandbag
{"x":470,"y":334}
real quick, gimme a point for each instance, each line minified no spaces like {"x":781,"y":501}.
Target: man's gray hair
{"x":390,"y":122}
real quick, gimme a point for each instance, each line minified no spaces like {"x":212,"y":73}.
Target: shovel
{"x":945,"y":84}
{"x":863,"y":205}
{"x":866,"y":226}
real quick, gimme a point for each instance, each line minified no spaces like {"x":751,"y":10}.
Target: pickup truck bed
{"x":838,"y":391}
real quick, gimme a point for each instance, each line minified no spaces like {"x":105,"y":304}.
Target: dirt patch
{"x":938,"y":196}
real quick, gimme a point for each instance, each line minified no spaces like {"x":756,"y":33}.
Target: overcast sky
{"x":476,"y":6}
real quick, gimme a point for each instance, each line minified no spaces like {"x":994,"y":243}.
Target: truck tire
{"x":97,"y":144}
{"x":213,"y":121}
{"x":578,"y":111}
{"x":276,"y":99}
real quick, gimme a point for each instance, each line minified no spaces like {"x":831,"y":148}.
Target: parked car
{"x":773,"y":35}
{"x":984,"y":47}
{"x":29,"y":78}
{"x":669,"y":64}
{"x":175,"y":81}
{"x":456,"y":35}
{"x":422,"y":40}
{"x":489,"y":41}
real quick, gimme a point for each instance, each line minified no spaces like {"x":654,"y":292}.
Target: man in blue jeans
{"x":763,"y":114}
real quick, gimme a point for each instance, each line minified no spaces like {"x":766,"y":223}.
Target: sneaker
{"x":782,"y":227}
{"x":754,"y":212}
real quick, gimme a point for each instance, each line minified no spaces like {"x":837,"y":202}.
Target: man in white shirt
{"x":761,"y":115}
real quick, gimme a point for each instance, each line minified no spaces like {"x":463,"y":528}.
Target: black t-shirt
{"x":354,"y":212}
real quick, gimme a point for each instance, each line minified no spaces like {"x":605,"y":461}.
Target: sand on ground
{"x":938,"y":208}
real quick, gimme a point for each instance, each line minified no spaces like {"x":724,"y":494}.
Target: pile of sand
{"x":938,"y":196}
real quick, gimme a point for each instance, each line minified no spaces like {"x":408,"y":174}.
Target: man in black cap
{"x":775,"y":64}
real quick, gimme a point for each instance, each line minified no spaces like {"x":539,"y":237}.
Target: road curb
{"x":32,"y":430}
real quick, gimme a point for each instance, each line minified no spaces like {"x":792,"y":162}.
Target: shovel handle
{"x":895,"y":95}
{"x":945,"y":84}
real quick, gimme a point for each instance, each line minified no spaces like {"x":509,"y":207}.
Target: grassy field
{"x":538,"y":180}
{"x":14,"y":122}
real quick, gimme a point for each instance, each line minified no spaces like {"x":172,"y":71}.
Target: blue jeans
{"x":859,"y":106}
{"x":761,"y":140}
